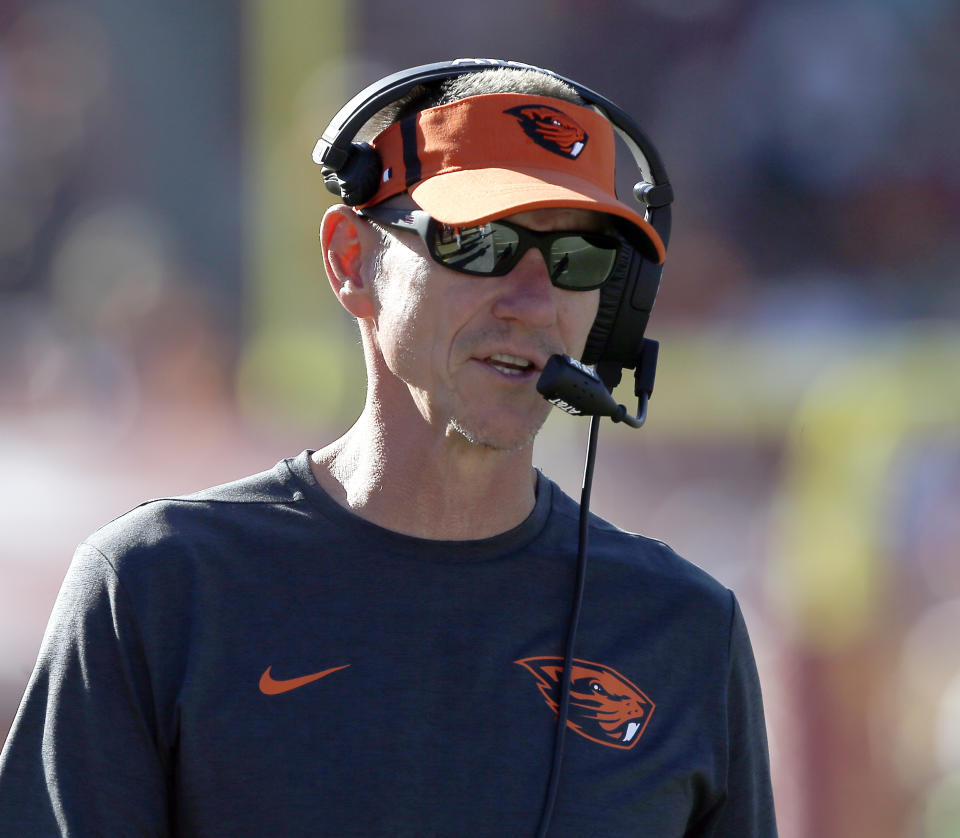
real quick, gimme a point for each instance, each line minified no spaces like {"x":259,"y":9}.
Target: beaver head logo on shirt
{"x":604,"y":706}
{"x":551,"y":128}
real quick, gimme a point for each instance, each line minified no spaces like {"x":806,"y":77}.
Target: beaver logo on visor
{"x":551,"y":128}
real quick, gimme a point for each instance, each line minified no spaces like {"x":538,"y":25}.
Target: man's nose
{"x":526,"y":294}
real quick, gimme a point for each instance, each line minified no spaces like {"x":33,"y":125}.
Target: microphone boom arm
{"x":578,"y":390}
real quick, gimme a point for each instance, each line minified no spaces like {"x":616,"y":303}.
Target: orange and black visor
{"x":492,"y":155}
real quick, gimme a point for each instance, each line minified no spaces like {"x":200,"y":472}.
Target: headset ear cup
{"x":625,"y":303}
{"x":611,"y":297}
{"x":358,"y":179}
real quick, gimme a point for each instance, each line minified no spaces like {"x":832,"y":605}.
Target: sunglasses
{"x":577,"y":260}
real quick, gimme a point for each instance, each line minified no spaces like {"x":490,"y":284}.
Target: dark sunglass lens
{"x":484,"y":249}
{"x":581,"y":262}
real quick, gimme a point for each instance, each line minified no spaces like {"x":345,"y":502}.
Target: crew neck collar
{"x":502,"y":544}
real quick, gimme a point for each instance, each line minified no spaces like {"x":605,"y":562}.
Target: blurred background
{"x":165,"y":323}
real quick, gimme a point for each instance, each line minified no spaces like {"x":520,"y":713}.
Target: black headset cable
{"x":573,"y":624}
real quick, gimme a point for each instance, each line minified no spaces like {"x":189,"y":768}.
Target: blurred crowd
{"x":120,"y":267}
{"x":811,"y":144}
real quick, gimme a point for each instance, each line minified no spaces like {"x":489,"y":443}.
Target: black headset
{"x":352,"y":171}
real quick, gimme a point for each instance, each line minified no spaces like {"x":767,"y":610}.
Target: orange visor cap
{"x":493,"y":155}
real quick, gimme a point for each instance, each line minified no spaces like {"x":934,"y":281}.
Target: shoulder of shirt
{"x":167,"y":520}
{"x":651,"y":559}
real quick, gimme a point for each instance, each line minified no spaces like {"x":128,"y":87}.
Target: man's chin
{"x":494,"y":438}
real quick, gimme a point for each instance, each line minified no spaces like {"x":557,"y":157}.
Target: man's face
{"x":469,"y":349}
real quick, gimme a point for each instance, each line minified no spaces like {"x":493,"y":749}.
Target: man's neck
{"x":436,"y":486}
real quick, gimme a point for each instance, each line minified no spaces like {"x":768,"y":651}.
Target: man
{"x":367,"y":639}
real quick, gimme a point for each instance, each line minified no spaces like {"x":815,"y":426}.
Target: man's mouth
{"x":509,"y":364}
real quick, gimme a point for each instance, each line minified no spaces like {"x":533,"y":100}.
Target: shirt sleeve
{"x":82,"y":757}
{"x":746,"y":809}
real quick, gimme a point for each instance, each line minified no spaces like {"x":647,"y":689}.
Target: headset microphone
{"x":579,"y":391}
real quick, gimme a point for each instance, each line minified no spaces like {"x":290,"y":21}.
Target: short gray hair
{"x":494,"y":80}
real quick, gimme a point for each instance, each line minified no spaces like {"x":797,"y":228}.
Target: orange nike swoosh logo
{"x":270,"y":686}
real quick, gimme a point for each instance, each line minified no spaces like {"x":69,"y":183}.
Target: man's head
{"x":494,"y":218}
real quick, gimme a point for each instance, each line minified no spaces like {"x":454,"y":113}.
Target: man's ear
{"x":349,"y":247}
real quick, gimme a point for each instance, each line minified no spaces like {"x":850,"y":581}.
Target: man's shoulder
{"x":185,"y":518}
{"x":639,"y":560}
{"x":655,"y":560}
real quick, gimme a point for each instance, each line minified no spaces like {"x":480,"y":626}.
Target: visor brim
{"x":472,"y":196}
